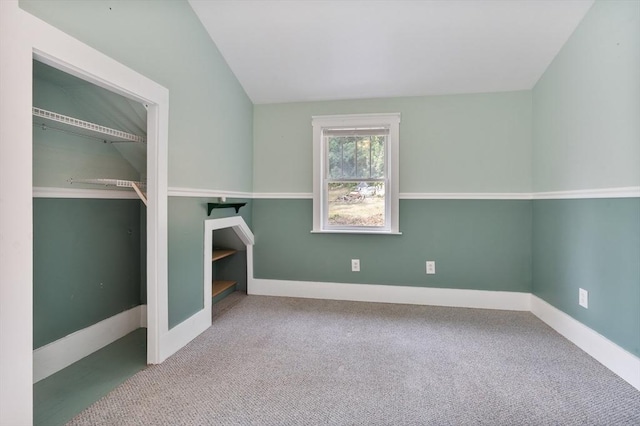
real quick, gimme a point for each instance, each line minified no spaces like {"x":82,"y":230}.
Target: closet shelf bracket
{"x":121,"y":183}
{"x":139,"y":192}
{"x":211,"y":206}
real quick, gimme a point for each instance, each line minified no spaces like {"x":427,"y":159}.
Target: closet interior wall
{"x":89,"y":253}
{"x":232,"y":268}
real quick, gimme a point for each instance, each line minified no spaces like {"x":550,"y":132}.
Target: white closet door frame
{"x":23,"y":38}
{"x":97,"y":68}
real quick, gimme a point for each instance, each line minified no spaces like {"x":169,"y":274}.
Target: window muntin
{"x":356,"y":173}
{"x":354,"y":179}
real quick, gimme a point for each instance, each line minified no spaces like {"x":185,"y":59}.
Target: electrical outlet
{"x":431,"y":267}
{"x":355,"y":265}
{"x":583,"y":298}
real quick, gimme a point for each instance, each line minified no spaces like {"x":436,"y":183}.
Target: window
{"x":356,"y":173}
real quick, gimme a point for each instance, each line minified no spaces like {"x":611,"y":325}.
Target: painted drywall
{"x":59,"y":156}
{"x":210,"y":131}
{"x":210,"y":116}
{"x":87,"y":253}
{"x":594,"y":245}
{"x":457,"y":143}
{"x":86,"y":263}
{"x":586,"y":135}
{"x":484,"y":245}
{"x":586,"y":106}
{"x":186,"y":242}
{"x":94,"y":104}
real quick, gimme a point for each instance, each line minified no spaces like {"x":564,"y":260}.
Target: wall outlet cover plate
{"x":431,"y":267}
{"x":583,"y":298}
{"x":355,"y":265}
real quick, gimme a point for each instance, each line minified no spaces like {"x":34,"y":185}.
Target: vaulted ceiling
{"x":305,"y":50}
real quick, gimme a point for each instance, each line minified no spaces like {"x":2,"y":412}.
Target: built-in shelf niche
{"x":227,"y":240}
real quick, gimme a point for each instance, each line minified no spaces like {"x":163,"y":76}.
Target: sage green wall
{"x":87,"y":253}
{"x":586,"y":129}
{"x":186,"y":240}
{"x":86,"y":258}
{"x":477,"y":244}
{"x":210,"y":116}
{"x":456,"y":143}
{"x":586,"y":135}
{"x":595,"y":245}
{"x":58,"y":156}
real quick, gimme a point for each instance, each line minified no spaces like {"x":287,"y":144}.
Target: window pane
{"x":335,"y":158}
{"x":356,"y":204}
{"x":348,"y":157}
{"x":377,"y":157}
{"x":363,"y":157}
{"x":352,"y":157}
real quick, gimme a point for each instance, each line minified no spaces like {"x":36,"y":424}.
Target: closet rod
{"x":59,"y":118}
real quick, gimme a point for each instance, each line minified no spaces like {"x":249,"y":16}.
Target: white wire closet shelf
{"x":120,"y":183}
{"x":53,"y":120}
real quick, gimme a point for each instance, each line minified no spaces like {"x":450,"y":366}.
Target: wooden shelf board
{"x":219,"y":254}
{"x":220,"y":286}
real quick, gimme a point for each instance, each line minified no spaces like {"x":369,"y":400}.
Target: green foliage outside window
{"x":356,"y":157}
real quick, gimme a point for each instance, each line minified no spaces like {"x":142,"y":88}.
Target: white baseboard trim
{"x":143,"y":316}
{"x":503,"y":300}
{"x":178,"y":337}
{"x":621,"y":362}
{"x":63,"y":352}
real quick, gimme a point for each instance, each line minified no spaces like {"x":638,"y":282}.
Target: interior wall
{"x":477,"y":244}
{"x":87,"y":252}
{"x":58,"y":156}
{"x":186,"y":242}
{"x":210,"y":119}
{"x":86,"y":263}
{"x":586,"y":105}
{"x":464,"y":144}
{"x":585,"y":136}
{"x":459,"y":143}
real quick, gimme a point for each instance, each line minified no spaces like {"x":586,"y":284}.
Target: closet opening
{"x":90,"y":238}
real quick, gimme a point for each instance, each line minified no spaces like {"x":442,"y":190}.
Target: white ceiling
{"x":307,"y":50}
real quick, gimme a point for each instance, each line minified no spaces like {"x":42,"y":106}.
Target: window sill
{"x":352,"y":231}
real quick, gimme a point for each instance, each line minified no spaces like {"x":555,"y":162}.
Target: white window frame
{"x":392,"y":154}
